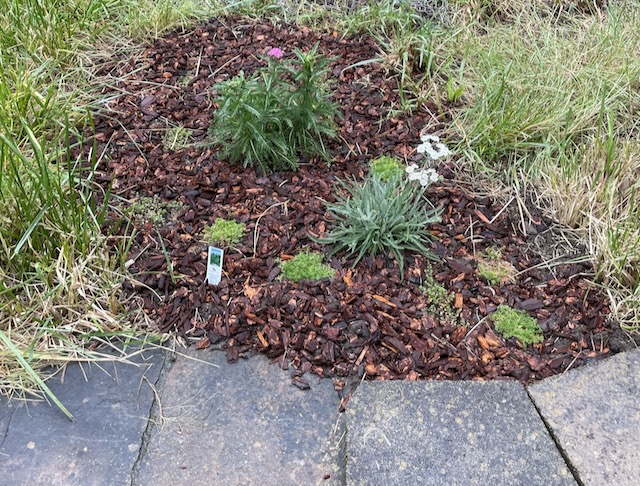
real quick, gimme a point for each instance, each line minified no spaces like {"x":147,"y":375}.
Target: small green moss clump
{"x":385,"y":167}
{"x":306,"y":266}
{"x":224,"y":232}
{"x":518,"y":324}
{"x":150,"y":209}
{"x":494,"y":269}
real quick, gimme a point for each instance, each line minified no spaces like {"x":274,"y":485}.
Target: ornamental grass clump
{"x":276,"y":115}
{"x":381,"y":217}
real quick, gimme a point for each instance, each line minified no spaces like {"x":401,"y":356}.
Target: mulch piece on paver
{"x":365,"y":320}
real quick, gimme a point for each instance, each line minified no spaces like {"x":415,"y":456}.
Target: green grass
{"x":60,"y":278}
{"x":549,"y":101}
{"x":305,"y":266}
{"x":518,"y":324}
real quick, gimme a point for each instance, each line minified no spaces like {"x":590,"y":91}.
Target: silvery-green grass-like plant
{"x":381,"y":217}
{"x":281,"y":112}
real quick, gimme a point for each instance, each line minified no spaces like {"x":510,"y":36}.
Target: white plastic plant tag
{"x":214,"y":265}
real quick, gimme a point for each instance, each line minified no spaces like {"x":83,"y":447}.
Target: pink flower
{"x":275,"y":52}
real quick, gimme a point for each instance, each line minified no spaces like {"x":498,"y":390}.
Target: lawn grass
{"x":60,"y":277}
{"x":550,"y":100}
{"x":540,"y":95}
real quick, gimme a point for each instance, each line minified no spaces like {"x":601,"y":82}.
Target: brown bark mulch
{"x":365,"y":320}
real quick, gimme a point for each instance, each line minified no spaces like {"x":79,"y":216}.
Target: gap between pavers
{"x":449,"y":433}
{"x":241,"y":424}
{"x":594,"y":415}
{"x":110,"y":401}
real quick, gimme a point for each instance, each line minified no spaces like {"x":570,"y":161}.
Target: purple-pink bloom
{"x":275,"y":52}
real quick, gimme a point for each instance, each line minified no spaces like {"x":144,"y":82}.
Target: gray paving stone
{"x":594,"y":412}
{"x":111,"y":405}
{"x":241,"y":424}
{"x":449,"y":433}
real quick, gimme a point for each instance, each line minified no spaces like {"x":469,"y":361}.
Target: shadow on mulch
{"x":365,"y":320}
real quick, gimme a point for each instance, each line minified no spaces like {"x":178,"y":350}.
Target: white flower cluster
{"x":432,"y":146}
{"x":423,"y":176}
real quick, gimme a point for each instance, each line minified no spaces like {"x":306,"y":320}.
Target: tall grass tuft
{"x":60,"y":277}
{"x":552,"y":94}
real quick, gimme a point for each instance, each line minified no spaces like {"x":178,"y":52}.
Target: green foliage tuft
{"x":279,"y":113}
{"x":150,"y":209}
{"x":177,"y":138}
{"x":385,"y":168}
{"x":494,"y":269}
{"x":306,"y":266}
{"x":224,"y":232}
{"x":381,"y":218}
{"x":518,"y":324}
{"x":440,"y":299}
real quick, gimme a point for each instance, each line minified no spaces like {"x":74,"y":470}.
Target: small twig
{"x":199,"y":61}
{"x":474,"y":327}
{"x":572,"y":362}
{"x":473,"y":241}
{"x":256,"y":231}
{"x":502,"y":210}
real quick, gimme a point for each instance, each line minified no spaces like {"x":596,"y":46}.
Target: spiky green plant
{"x":378,"y":217}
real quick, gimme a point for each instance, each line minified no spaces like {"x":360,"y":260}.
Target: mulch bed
{"x":365,"y":320}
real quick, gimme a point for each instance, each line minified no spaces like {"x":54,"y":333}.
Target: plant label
{"x":214,"y":265}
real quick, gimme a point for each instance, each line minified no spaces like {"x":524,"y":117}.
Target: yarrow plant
{"x":423,"y":176}
{"x":276,"y":115}
{"x":432,"y":146}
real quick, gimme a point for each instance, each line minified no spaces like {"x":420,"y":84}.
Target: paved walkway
{"x":193,"y":419}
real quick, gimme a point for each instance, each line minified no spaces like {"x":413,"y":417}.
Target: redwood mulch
{"x":365,"y":320}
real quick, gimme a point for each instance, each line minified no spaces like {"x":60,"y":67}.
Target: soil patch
{"x":365,"y":320}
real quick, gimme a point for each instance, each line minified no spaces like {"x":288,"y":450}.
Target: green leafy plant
{"x":494,"y":269}
{"x":224,"y":232}
{"x":440,"y":299}
{"x":518,"y":324}
{"x":150,"y":209}
{"x":279,"y":113}
{"x":306,"y":266}
{"x":385,"y":167}
{"x":379,"y":217}
{"x":177,"y":138}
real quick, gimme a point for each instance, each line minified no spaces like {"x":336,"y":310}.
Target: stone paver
{"x":242,"y":424}
{"x":40,"y":446}
{"x":449,"y":433}
{"x":594,"y":412}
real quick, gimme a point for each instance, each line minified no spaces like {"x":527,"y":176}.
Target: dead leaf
{"x":204,"y":343}
{"x":250,"y":292}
